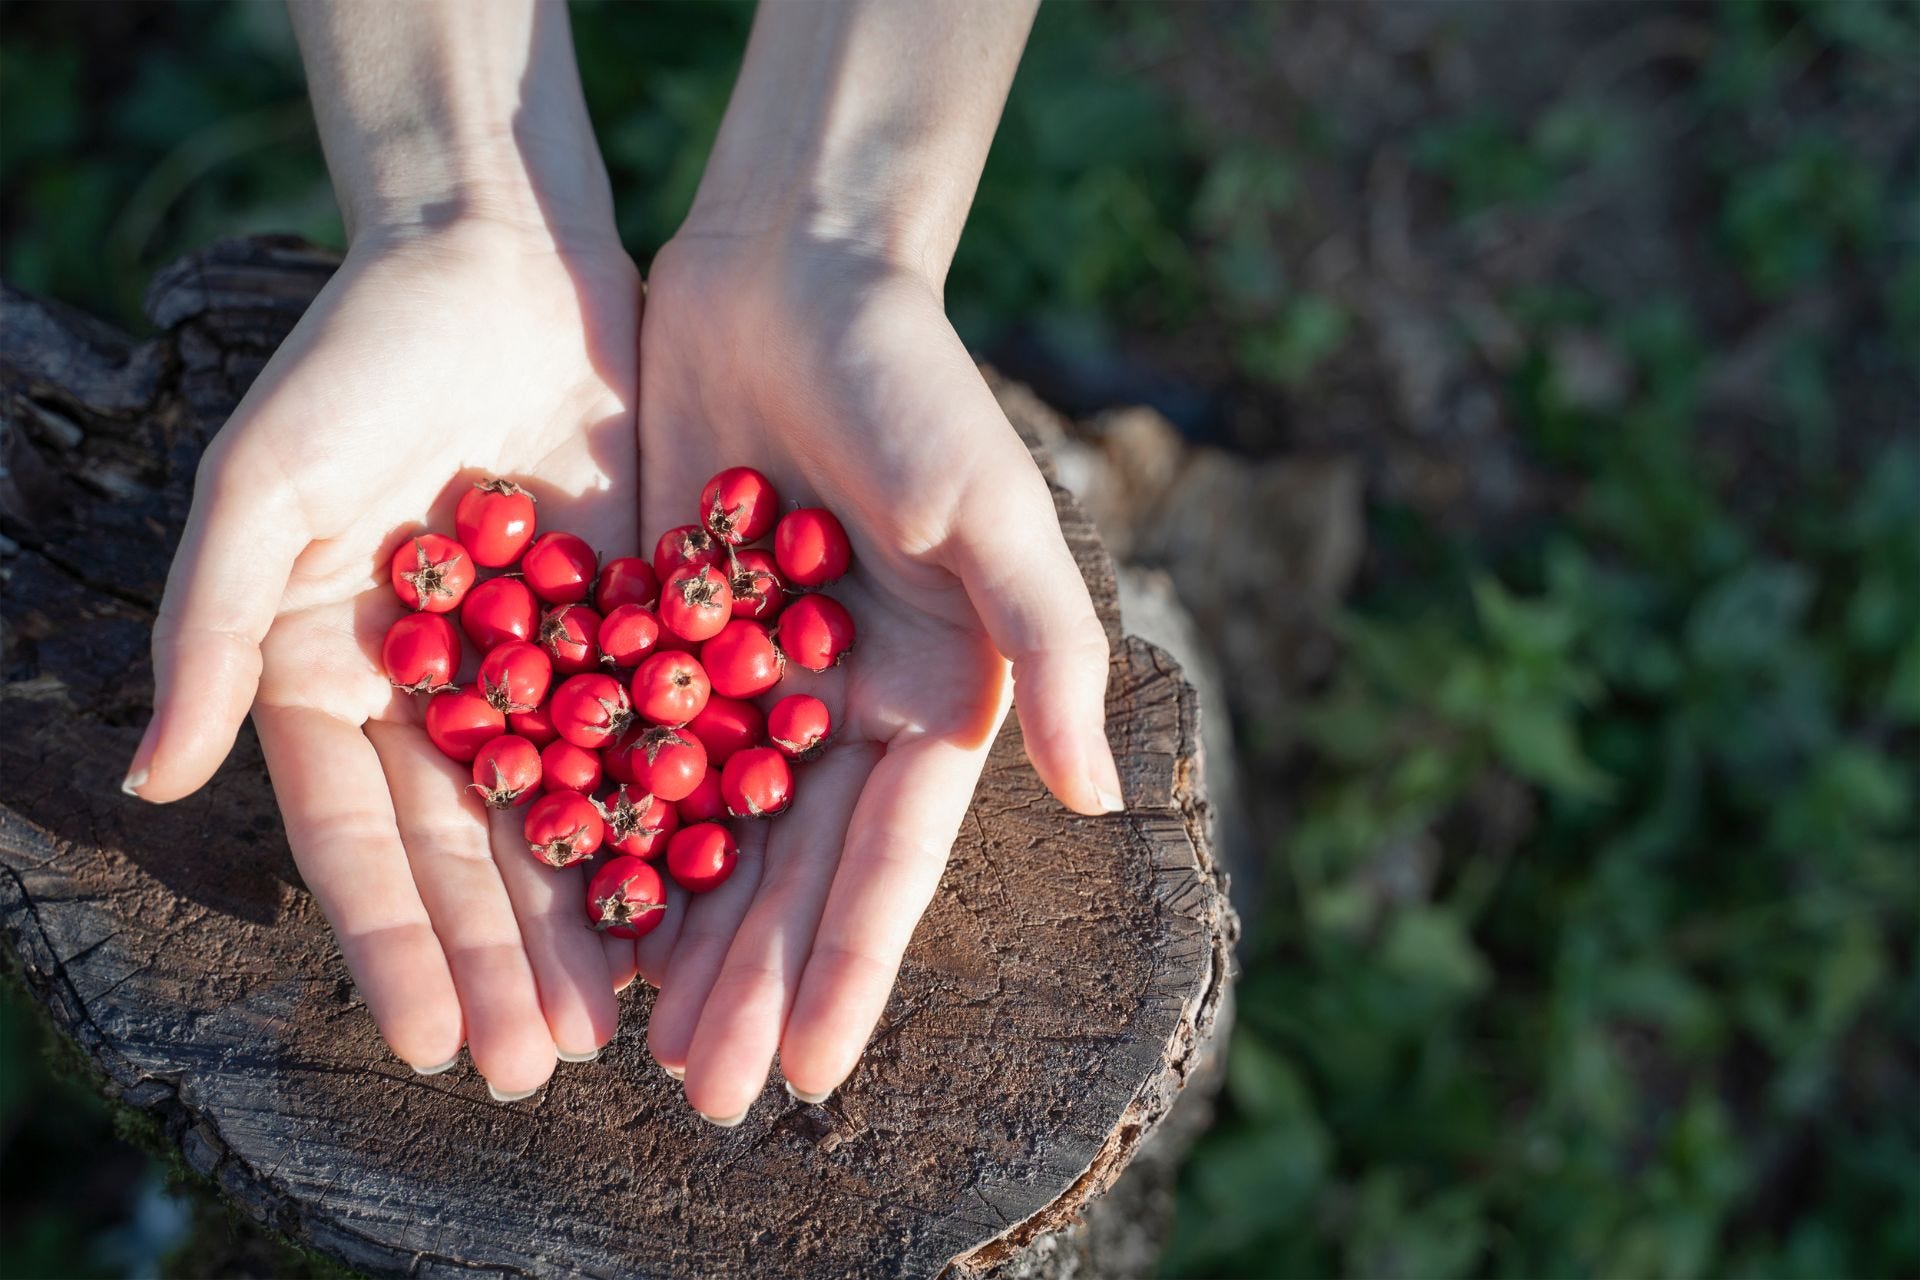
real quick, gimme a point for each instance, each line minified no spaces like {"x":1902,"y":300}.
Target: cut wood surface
{"x":1057,"y":997}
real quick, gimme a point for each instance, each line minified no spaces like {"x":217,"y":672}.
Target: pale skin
{"x":487,"y":322}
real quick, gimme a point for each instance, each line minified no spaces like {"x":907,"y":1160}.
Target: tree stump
{"x":1058,"y":996}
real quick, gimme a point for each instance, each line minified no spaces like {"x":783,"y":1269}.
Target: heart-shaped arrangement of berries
{"x":628,"y":724}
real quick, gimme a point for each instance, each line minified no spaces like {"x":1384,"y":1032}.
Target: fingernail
{"x":729,"y":1123}
{"x":512,"y":1097}
{"x":564,"y":1056}
{"x":1110,"y":802}
{"x":434,"y":1071}
{"x":133,"y":782}
{"x":811,"y":1099}
{"x":678,"y":1073}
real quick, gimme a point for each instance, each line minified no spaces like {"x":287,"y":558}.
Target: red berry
{"x":460,"y":722}
{"x":757,"y":589}
{"x":507,"y":771}
{"x":495,"y":522}
{"x":626,"y":898}
{"x":536,"y":726}
{"x":628,"y":580}
{"x":798,"y":725}
{"x":617,"y":755}
{"x":811,"y":547}
{"x":590,"y":710}
{"x":431,"y":572}
{"x":703,"y":803}
{"x":816,"y":632}
{"x":638,"y":823}
{"x":565,"y":767}
{"x":563,"y":828}
{"x":670,"y":688}
{"x":739,"y":505}
{"x":741,"y":661}
{"x":688,"y":545}
{"x":668,"y":762}
{"x":726,"y":725}
{"x":499,"y":610}
{"x":627,"y":635}
{"x":560,"y":568}
{"x":421,"y":653}
{"x":515,"y":676}
{"x":756,"y":783}
{"x":696,"y":602}
{"x":701,"y":857}
{"x":571,"y":636}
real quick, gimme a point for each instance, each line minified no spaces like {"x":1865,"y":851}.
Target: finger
{"x":340,"y":825}
{"x":569,"y":960}
{"x":227,"y":579}
{"x":652,"y":951}
{"x":1010,"y":554}
{"x":739,"y":1028}
{"x":897,"y":846}
{"x":707,"y":926}
{"x":447,"y":845}
{"x":623,"y":966}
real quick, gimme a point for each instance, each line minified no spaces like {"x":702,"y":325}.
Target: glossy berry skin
{"x":515,"y":676}
{"x":811,"y":547}
{"x":798,"y":726}
{"x":499,"y":610}
{"x":638,"y":823}
{"x":590,"y":710}
{"x":460,"y":722}
{"x":536,"y":726}
{"x":617,"y":755}
{"x":741,"y":660}
{"x":756,"y":783}
{"x":571,"y":636}
{"x":507,"y":772}
{"x":626,"y":898}
{"x":816,"y":632}
{"x":696,"y":602}
{"x":495,"y":521}
{"x":758,"y":592}
{"x":701,"y":857}
{"x":565,"y":767}
{"x":421,"y":653}
{"x":726,"y":725}
{"x":627,"y":635}
{"x":704,"y":803}
{"x":563,"y":828}
{"x":739,"y":506}
{"x":688,"y":545}
{"x":668,"y":763}
{"x":670,"y":688}
{"x":560,"y":568}
{"x":431,"y":572}
{"x":627,"y":580}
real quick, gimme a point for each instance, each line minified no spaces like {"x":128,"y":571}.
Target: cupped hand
{"x":432,"y":358}
{"x":837,"y":374}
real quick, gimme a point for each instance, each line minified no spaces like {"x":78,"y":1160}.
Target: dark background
{"x":1585,"y":943}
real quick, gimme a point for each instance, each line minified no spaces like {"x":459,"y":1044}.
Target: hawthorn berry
{"x":726,"y":725}
{"x":515,"y":677}
{"x":499,"y":610}
{"x":590,"y":710}
{"x":757,"y":589}
{"x":741,"y":660}
{"x":628,"y":634}
{"x":670,"y":688}
{"x":756,"y":783}
{"x":798,"y":725}
{"x":461,"y":721}
{"x":700,"y":857}
{"x":617,"y":755}
{"x":811,"y":547}
{"x":815,"y":631}
{"x":626,"y":898}
{"x":536,"y":726}
{"x":563,"y":828}
{"x":570,"y":634}
{"x":495,"y":521}
{"x":738,"y":506}
{"x":638,"y":822}
{"x":704,"y":803}
{"x":627,"y":580}
{"x":560,"y":568}
{"x":668,"y":762}
{"x":431,"y":572}
{"x":565,"y":767}
{"x":421,"y":653}
{"x":687,"y":545}
{"x":507,"y":772}
{"x":696,"y":602}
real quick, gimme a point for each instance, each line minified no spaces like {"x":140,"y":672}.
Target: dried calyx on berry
{"x":616,"y":908}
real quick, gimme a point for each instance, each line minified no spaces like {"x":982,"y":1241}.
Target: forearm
{"x":433,"y":110}
{"x":864,"y":120}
